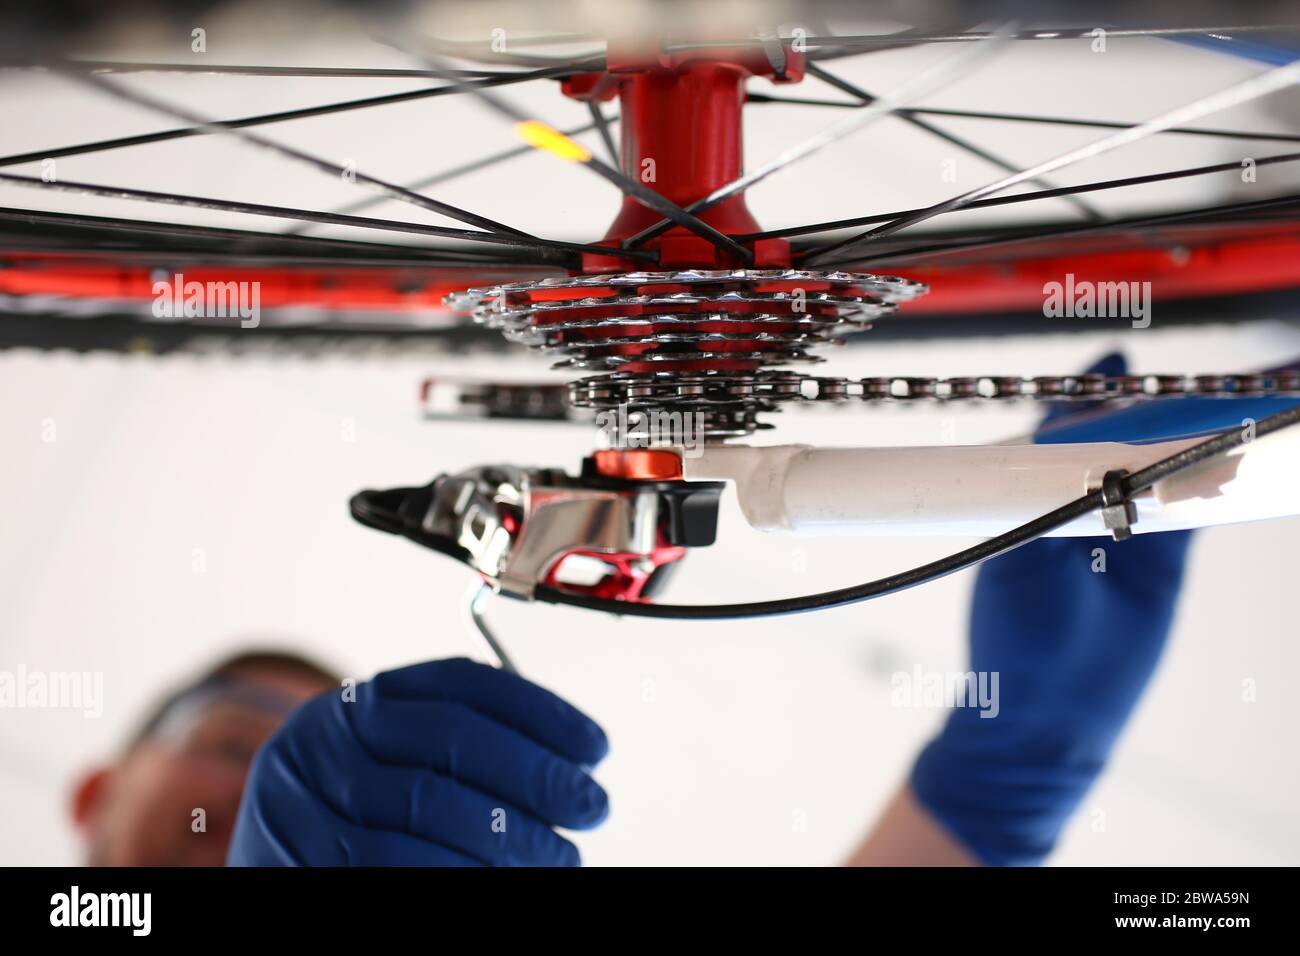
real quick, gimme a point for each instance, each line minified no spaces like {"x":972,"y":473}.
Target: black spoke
{"x":752,"y":97}
{"x":671,"y":212}
{"x":305,"y":215}
{"x":977,"y":151}
{"x":1243,"y":92}
{"x":923,"y":84}
{"x":323,"y":165}
{"x":903,"y":39}
{"x":912,"y":38}
{"x":449,"y":174}
{"x":1054,"y":193}
{"x":113,"y":238}
{"x":207,"y":128}
{"x":598,"y":120}
{"x":228,"y":69}
{"x":1209,"y":214}
{"x":1026,"y":118}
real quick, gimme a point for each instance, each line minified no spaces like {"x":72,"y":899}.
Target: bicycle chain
{"x":773,"y":388}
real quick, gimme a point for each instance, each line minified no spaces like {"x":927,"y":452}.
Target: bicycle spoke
{"x":977,"y":151}
{"x":671,"y":212}
{"x":1206,"y":214}
{"x":450,"y":174}
{"x":903,"y":38}
{"x":547,"y":139}
{"x":476,"y":50}
{"x":306,"y":215}
{"x":290,"y":152}
{"x":228,"y":243}
{"x":1053,"y":193}
{"x":1025,"y":118}
{"x":925,"y":83}
{"x":1235,"y":95}
{"x":598,"y":120}
{"x":128,"y":66}
{"x":284,"y":116}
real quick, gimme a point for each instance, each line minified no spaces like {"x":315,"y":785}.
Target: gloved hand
{"x":445,"y":763}
{"x":1074,"y":647}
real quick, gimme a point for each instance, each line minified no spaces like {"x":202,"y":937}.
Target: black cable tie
{"x":1118,"y":512}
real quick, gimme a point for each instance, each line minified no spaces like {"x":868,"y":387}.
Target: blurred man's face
{"x":173,"y":799}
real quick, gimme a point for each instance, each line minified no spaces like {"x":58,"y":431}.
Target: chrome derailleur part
{"x":518,"y":527}
{"x":459,"y":398}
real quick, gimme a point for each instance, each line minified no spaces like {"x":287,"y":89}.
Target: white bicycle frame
{"x":984,"y":490}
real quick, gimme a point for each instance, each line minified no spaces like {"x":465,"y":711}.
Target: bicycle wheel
{"x":820,"y":93}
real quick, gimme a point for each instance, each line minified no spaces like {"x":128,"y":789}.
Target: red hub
{"x":682,"y":131}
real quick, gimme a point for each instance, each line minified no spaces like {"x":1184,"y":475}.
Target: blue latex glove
{"x":446,"y":763}
{"x":1074,"y":649}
